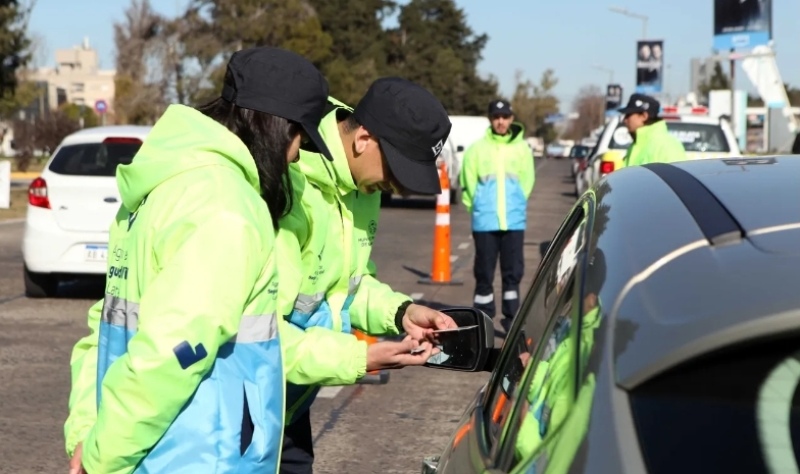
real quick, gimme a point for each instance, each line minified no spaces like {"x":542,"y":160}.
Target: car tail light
{"x":37,"y":194}
{"x":128,"y":140}
{"x":606,"y":167}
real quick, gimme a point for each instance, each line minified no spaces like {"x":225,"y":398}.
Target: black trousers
{"x":509,"y":246}
{"x":297,"y":456}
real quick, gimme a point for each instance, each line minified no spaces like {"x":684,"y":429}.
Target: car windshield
{"x":695,"y":137}
{"x":94,"y":159}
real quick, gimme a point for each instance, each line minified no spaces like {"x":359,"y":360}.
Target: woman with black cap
{"x":183,"y":355}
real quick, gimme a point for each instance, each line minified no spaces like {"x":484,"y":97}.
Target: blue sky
{"x":569,"y":36}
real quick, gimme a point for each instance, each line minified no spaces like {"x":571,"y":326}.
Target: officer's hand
{"x":75,"y":465}
{"x":395,"y":355}
{"x":419,"y":322}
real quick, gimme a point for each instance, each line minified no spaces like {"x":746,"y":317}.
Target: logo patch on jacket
{"x":187,"y":356}
{"x":373,"y":227}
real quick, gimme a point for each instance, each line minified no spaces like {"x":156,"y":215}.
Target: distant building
{"x":76,"y":79}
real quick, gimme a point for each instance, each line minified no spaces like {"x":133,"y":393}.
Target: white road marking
{"x":453,"y":258}
{"x":329,"y":392}
{"x":417,"y":296}
{"x":463,"y":246}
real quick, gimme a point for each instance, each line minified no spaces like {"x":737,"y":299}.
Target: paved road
{"x":360,"y":429}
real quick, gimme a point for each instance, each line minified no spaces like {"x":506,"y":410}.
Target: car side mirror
{"x":460,"y":148}
{"x":467,"y":347}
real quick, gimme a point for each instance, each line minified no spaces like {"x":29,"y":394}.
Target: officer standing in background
{"x":497,"y":176}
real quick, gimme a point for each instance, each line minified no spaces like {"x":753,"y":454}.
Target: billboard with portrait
{"x":742,"y":24}
{"x":613,"y":98}
{"x":649,"y":66}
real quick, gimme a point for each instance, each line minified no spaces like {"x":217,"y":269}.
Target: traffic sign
{"x":100,"y":106}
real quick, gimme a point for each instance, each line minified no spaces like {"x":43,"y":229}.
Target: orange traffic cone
{"x":375,"y":376}
{"x":441,"y":271}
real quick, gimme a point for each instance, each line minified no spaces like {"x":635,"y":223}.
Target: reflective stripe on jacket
{"x":334,"y":290}
{"x":184,"y":348}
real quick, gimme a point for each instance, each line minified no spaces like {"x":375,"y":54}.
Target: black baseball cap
{"x":639,"y":103}
{"x":411,"y":126}
{"x":282,"y":83}
{"x":500,"y":107}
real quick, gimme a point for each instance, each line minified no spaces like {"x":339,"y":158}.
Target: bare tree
{"x":590,"y":105}
{"x":139,"y":77}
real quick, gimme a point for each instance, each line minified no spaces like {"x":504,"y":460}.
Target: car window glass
{"x":699,"y":137}
{"x":736,"y":410}
{"x":695,"y":137}
{"x":549,"y":387}
{"x":552,"y":283}
{"x":93,"y":159}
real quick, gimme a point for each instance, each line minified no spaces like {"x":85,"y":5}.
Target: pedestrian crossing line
{"x":329,"y":392}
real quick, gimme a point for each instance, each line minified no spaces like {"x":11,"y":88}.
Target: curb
{"x":24,"y":175}
{"x":15,"y":220}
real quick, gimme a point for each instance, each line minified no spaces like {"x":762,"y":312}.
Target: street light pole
{"x":610,"y":72}
{"x":628,"y":13}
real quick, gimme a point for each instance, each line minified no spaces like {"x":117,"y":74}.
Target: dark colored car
{"x":578,"y":154}
{"x":661,"y":333}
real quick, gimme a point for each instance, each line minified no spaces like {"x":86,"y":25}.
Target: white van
{"x":466,"y":130}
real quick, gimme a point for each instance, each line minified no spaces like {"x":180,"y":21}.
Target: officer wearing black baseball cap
{"x":388,"y":143}
{"x":640,"y":104}
{"x":652,"y":142}
{"x":279,"y":82}
{"x":411,"y":126}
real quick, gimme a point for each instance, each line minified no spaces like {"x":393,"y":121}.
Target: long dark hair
{"x":267,"y":137}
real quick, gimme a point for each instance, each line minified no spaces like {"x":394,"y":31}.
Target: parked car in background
{"x":537,"y":145}
{"x":702,"y":136}
{"x":661,"y":333}
{"x":578,"y":155}
{"x":72,"y":205}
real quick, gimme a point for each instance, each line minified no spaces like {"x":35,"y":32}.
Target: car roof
{"x":95,"y":134}
{"x":709,"y":260}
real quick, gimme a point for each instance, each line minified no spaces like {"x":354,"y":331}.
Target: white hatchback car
{"x":72,"y":204}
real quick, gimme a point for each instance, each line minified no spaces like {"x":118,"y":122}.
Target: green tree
{"x":534,"y":102}
{"x":358,"y":48}
{"x":14,"y":53}
{"x":434,"y":46}
{"x":211,"y":30}
{"x":75,"y":112}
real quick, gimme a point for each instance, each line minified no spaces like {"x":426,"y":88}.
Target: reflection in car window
{"x":551,"y":426}
{"x":554,"y":283}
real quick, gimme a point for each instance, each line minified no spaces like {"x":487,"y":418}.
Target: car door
{"x":539,"y":362}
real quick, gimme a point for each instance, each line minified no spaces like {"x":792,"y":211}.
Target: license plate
{"x":96,"y":253}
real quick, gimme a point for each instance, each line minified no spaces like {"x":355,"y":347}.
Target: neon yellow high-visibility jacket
{"x":654,"y":144}
{"x":334,"y":290}
{"x":184,"y":348}
{"x":497,"y":176}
